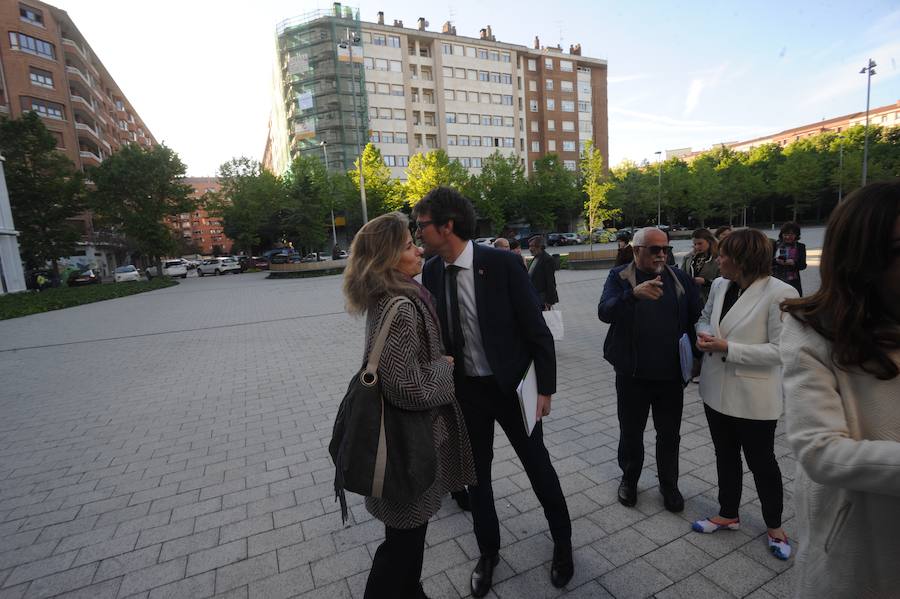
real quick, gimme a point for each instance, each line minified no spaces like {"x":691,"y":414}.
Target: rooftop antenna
{"x":559,"y":24}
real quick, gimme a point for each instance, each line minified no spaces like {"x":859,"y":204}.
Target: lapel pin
{"x":481,"y":271}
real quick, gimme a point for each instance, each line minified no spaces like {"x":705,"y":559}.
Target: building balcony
{"x":81,"y":127}
{"x":78,"y":73}
{"x":73,"y":45}
{"x":80,"y":101}
{"x":89,"y":158}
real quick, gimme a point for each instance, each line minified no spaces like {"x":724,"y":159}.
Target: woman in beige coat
{"x":841,"y":353}
{"x":415,"y":376}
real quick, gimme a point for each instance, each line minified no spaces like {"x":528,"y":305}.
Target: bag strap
{"x":370,"y":372}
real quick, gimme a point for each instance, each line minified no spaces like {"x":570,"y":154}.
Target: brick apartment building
{"x":47,"y":66}
{"x":198,"y":227}
{"x":410,"y":90}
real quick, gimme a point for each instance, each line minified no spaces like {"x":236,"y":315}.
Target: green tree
{"x":383,"y":194}
{"x":248,"y":201}
{"x":634,"y":194}
{"x":800,"y":177}
{"x":596,"y":185}
{"x":763,"y":162}
{"x":704,"y":187}
{"x":676,"y":188}
{"x":554,"y":198}
{"x":427,"y":171}
{"x":737,"y":181}
{"x":305,"y":214}
{"x":45,"y":190}
{"x":499,"y":190}
{"x":137,"y":189}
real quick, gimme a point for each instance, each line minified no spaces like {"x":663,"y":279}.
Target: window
{"x":485,"y":98}
{"x":532,"y":85}
{"x":51,"y":110}
{"x":400,"y":138}
{"x":451,"y":140}
{"x":374,"y":137}
{"x":482,"y":53}
{"x":396,"y":66}
{"x":584,"y":107}
{"x":551,"y":104}
{"x":585,"y":127}
{"x":32,"y":45}
{"x":384,"y":113}
{"x":449,"y":94}
{"x":509,"y":142}
{"x":402,"y":160}
{"x":373,"y":112}
{"x":387,"y":137}
{"x":446,"y":49}
{"x":548,"y":64}
{"x":569,"y":165}
{"x":390,"y":161}
{"x":483,"y":76}
{"x":458,"y":50}
{"x":535,"y":146}
{"x":548,"y":84}
{"x":532,"y":64}
{"x":41,"y":77}
{"x":495,"y":77}
{"x":487,"y":141}
{"x":568,"y":106}
{"x":463,"y":140}
{"x":505,"y":57}
{"x":534,"y":127}
{"x":494,"y":55}
{"x":565,"y":66}
{"x":470,"y":51}
{"x":367,"y":38}
{"x":462,"y":118}
{"x":533,"y":105}
{"x":399,"y":114}
{"x":381,"y":64}
{"x":370,"y":87}
{"x":568,"y":145}
{"x":369,"y":63}
{"x":486,"y":120}
{"x":507,"y":121}
{"x":460,"y":73}
{"x":568,"y":125}
{"x":475,"y":140}
{"x":393,"y":41}
{"x":567,"y":86}
{"x":496,"y":99}
{"x":551,"y":125}
{"x":31,"y":15}
{"x":474,"y":119}
{"x":584,"y":87}
{"x":397,"y":90}
{"x":448,"y":71}
{"x":378,"y":39}
{"x":551,"y":145}
{"x":472,"y":75}
{"x":497,"y":121}
{"x":383,"y":88}
{"x":450,"y":117}
{"x":506,"y":78}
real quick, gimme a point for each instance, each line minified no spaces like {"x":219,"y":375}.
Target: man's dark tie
{"x":457,"y":339}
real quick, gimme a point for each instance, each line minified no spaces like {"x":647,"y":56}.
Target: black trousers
{"x":397,"y":566}
{"x":483,"y":403}
{"x":636,"y":398}
{"x":730,"y":434}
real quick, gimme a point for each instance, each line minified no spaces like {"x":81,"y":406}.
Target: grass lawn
{"x":14,"y":305}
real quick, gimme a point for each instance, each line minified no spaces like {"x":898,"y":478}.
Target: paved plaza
{"x":173,"y":444}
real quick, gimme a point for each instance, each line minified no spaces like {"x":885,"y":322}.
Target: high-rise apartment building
{"x":47,"y":66}
{"x":408,"y":90}
{"x":198,"y":228}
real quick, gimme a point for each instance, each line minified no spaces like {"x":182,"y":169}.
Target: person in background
{"x":625,"y":253}
{"x":740,"y":382}
{"x":516,"y":248}
{"x":648,"y":306}
{"x":415,"y":375}
{"x":790,"y":256}
{"x":670,"y":253}
{"x":541,"y":271}
{"x":501,"y":243}
{"x":701,"y":264}
{"x":840,"y":350}
{"x":723,"y":232}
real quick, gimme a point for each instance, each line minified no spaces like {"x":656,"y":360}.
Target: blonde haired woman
{"x":414,"y":375}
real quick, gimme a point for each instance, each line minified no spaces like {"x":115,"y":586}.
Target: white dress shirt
{"x":473,"y":350}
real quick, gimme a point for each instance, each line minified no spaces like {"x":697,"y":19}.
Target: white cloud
{"x":845,"y":78}
{"x":693,"y":96}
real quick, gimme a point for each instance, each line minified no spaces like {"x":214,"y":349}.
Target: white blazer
{"x":746,"y":382}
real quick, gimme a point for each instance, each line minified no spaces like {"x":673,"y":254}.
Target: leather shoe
{"x":483,"y":575}
{"x":563,"y":566}
{"x":462,"y":500}
{"x":672,"y":498}
{"x":627,"y":494}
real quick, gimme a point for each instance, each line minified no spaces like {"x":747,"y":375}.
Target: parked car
{"x":243,"y":262}
{"x":126,"y":273}
{"x":171,"y":268}
{"x":218,"y":266}
{"x":572,"y":238}
{"x":88,"y":276}
{"x":316,"y":257}
{"x":604,"y":235}
{"x":555,"y":239}
{"x":341,"y":255}
{"x":260,"y":263}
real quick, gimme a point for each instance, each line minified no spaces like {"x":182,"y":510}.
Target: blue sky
{"x":681,"y":74}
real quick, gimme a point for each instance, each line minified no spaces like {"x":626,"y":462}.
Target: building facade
{"x":198,"y":228}
{"x":408,"y":90}
{"x":48,"y":67}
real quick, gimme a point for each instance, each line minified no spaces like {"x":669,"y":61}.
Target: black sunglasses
{"x":421,"y":224}
{"x":656,"y":249}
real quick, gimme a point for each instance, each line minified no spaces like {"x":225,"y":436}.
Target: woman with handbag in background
{"x":414,"y":377}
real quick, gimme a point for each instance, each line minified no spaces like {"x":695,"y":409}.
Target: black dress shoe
{"x":563,"y":566}
{"x":627,"y":494}
{"x":672,"y":498}
{"x":483,"y":575}
{"x":462,"y":500}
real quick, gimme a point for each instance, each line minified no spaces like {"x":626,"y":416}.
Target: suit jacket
{"x":745,"y":382}
{"x":509,"y":315}
{"x":543,"y":278}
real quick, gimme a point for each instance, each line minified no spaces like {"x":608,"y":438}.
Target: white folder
{"x":528,"y":397}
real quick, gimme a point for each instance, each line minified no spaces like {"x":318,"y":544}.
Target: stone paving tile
{"x":142,"y":482}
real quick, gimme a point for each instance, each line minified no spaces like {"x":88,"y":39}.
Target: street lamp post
{"x":348,"y":44}
{"x":324,"y":145}
{"x":867,"y":70}
{"x":841,"y":170}
{"x":659,"y":192}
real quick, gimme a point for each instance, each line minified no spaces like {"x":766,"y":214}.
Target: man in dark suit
{"x":542,"y":272}
{"x":491,"y":324}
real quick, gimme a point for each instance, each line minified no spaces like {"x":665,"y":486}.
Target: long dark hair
{"x":848,"y":308}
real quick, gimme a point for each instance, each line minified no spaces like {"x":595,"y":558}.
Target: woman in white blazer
{"x":740,"y":381}
{"x":841,"y":355}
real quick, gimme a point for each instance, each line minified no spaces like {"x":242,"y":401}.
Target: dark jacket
{"x":624,"y":255}
{"x":709,"y":272}
{"x":415,"y":376}
{"x":543,"y":278}
{"x":780,"y":271}
{"x":616,"y":308}
{"x":509,"y":315}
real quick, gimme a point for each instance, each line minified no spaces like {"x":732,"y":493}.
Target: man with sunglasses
{"x":649,"y":305}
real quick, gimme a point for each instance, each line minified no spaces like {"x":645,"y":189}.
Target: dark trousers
{"x":730,"y":434}
{"x":483,"y":403}
{"x":636,"y":398}
{"x":397,"y":566}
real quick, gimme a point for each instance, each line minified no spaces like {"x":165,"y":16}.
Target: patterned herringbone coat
{"x":414,"y":375}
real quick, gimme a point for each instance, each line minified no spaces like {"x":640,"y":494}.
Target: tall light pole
{"x":867,"y":70}
{"x":348,"y":44}
{"x":324,"y":145}
{"x":841,"y":169}
{"x":659,"y":191}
